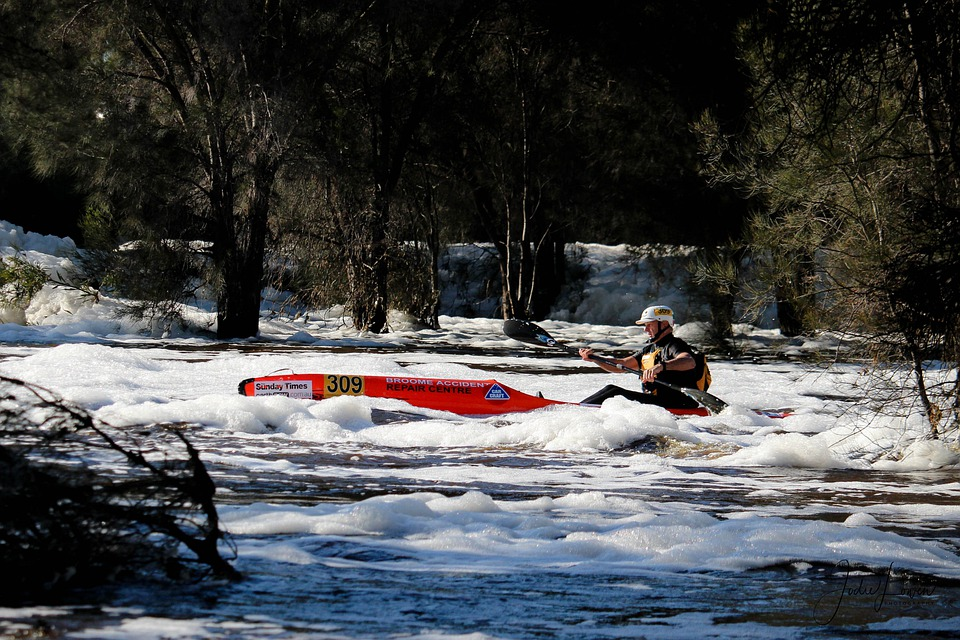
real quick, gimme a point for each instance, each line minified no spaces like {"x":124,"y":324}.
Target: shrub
{"x":83,"y":503}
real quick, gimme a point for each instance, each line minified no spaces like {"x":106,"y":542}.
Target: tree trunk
{"x":239,"y":253}
{"x":550,"y":266}
{"x":930,"y":408}
{"x":379,"y":261}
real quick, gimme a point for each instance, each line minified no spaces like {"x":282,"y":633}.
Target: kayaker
{"x":666,"y":357}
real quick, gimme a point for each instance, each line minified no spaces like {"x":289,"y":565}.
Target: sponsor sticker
{"x":289,"y":388}
{"x":496,"y":392}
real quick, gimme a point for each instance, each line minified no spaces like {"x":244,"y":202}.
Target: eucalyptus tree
{"x":179,"y":113}
{"x":509,"y":120}
{"x":357,"y":231}
{"x":854,"y":152}
{"x":399,"y":68}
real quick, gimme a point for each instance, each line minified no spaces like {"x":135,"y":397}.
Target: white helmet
{"x":655,"y":314}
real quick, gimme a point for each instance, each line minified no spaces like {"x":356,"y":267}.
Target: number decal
{"x":343,"y":386}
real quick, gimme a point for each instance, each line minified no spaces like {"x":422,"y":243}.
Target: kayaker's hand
{"x":586,"y":354}
{"x":649,"y":375}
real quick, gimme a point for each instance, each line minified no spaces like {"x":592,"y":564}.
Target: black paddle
{"x":526,"y":331}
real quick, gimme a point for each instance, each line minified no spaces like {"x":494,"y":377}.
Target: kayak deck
{"x":463,"y":397}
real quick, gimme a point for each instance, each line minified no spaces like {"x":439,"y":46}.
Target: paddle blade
{"x":526,"y":331}
{"x":710,"y":401}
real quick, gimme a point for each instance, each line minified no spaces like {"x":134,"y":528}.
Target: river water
{"x":366,"y":518}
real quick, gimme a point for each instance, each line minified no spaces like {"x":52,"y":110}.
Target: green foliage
{"x":196,"y":120}
{"x":154,"y":276}
{"x":718,"y":272}
{"x":177,"y":119}
{"x":853,"y":163}
{"x":99,"y":227}
{"x":20,"y":281}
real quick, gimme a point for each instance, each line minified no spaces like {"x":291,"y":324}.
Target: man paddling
{"x":666,"y":358}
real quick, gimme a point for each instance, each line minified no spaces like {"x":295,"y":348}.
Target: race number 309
{"x":343,"y":385}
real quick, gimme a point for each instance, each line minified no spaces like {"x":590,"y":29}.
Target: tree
{"x":853,"y":149}
{"x":183,"y":113}
{"x":402,"y":64}
{"x":504,"y":153}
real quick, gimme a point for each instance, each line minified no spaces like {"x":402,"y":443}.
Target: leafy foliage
{"x":448,"y":121}
{"x":852,"y":152}
{"x":175,"y":114}
{"x":20,"y":281}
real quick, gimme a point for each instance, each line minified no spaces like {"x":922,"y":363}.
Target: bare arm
{"x":629,"y":361}
{"x":681,"y":362}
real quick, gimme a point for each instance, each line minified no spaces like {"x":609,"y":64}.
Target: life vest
{"x":649,"y":360}
{"x":704,"y":378}
{"x":701,"y":370}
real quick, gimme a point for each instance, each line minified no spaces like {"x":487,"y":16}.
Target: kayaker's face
{"x":653,"y":329}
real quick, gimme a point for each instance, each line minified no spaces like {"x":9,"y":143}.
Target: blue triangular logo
{"x":496,"y":392}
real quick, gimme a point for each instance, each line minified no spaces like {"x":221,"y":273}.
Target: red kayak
{"x":463,"y":397}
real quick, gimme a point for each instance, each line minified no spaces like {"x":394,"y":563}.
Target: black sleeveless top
{"x":656,"y":353}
